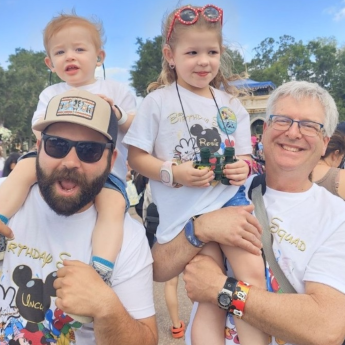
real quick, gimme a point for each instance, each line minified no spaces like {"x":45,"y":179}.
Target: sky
{"x":246,"y":24}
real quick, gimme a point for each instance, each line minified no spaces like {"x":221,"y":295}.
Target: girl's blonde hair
{"x":66,"y":20}
{"x":168,"y":75}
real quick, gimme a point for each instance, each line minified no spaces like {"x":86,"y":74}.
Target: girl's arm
{"x":184,"y":174}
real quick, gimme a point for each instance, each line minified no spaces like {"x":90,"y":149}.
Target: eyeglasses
{"x":87,"y":151}
{"x":189,"y":15}
{"x":283,"y":123}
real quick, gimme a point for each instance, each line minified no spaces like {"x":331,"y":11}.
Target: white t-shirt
{"x":121,"y":96}
{"x":308,"y":242}
{"x":161,"y":130}
{"x":42,"y":240}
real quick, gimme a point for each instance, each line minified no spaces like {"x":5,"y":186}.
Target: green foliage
{"x":147,"y":69}
{"x":25,"y":78}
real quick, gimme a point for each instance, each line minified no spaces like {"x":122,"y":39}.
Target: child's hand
{"x":111,"y":102}
{"x":6,"y":231}
{"x":237,"y":172}
{"x":189,"y":176}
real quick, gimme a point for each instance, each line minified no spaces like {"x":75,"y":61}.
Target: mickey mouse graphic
{"x":33,"y":299}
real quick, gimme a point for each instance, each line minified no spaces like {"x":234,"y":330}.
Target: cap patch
{"x":76,"y":106}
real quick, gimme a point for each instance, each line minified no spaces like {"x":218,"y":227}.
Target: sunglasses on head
{"x":87,"y":151}
{"x":189,"y":15}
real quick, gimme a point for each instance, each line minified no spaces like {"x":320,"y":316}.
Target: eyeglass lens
{"x":211,"y":13}
{"x":88,"y":152}
{"x":188,"y":15}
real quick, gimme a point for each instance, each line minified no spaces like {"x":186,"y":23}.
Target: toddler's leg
{"x":209,"y":322}
{"x":248,"y":268}
{"x":108,"y":233}
{"x":171,"y":300}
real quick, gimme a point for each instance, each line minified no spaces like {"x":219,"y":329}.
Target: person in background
{"x":327,"y":172}
{"x":2,"y":160}
{"x":10,"y":162}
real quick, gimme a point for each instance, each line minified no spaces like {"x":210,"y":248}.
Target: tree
{"x":25,"y":78}
{"x":149,"y":65}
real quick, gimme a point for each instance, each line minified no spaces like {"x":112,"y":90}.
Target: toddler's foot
{"x":104,"y":268}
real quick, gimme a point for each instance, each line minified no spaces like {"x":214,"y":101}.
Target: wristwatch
{"x":166,"y":174}
{"x":225,"y":295}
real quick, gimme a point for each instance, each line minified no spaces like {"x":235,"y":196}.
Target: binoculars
{"x":218,"y":165}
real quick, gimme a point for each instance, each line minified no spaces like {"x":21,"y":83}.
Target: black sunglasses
{"x":87,"y":151}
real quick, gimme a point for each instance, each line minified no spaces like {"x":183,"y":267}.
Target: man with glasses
{"x":306,"y":222}
{"x":46,"y":273}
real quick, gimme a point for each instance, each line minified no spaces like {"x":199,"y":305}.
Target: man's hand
{"x":6,"y":231}
{"x":80,"y":290}
{"x":232,"y":226}
{"x":203,"y":279}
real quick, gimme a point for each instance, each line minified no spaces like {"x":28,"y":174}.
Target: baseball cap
{"x":83,"y":108}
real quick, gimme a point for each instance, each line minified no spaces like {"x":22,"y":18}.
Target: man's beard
{"x":66,"y":206}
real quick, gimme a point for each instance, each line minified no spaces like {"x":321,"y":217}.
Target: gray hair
{"x":303,"y":89}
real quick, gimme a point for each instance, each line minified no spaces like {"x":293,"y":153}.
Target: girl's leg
{"x":248,"y":268}
{"x":171,"y":299}
{"x":209,"y":322}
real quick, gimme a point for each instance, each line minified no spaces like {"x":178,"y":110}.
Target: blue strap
{"x":3,"y":219}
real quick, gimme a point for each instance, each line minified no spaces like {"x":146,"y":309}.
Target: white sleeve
{"x":41,"y":106}
{"x":122,"y":96}
{"x":133,"y":278}
{"x":144,"y":128}
{"x":327,"y":265}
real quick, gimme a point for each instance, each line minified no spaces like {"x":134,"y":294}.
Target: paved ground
{"x":163,"y":319}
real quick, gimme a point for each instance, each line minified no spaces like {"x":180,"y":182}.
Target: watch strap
{"x":190,"y":235}
{"x":166,"y":174}
{"x":230,"y":284}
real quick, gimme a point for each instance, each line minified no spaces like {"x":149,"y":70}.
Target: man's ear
{"x":38,"y":143}
{"x":100,"y":58}
{"x":113,"y":158}
{"x":49,"y":63}
{"x":325,"y":142}
{"x":168,"y":54}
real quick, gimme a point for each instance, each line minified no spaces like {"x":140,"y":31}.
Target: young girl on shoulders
{"x":186,"y":113}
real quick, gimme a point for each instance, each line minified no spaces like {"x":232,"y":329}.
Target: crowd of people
{"x":77,"y":269}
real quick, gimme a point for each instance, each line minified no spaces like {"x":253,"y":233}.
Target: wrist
{"x":232,"y":297}
{"x":198,"y":229}
{"x":121,"y":115}
{"x":189,"y":231}
{"x":167,"y":175}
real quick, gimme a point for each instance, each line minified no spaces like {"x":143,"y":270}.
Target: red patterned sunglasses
{"x":189,"y":15}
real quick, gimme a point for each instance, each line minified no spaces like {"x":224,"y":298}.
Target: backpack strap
{"x":256,"y":195}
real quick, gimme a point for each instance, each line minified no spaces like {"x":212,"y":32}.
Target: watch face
{"x":165,"y":176}
{"x":224,"y":300}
